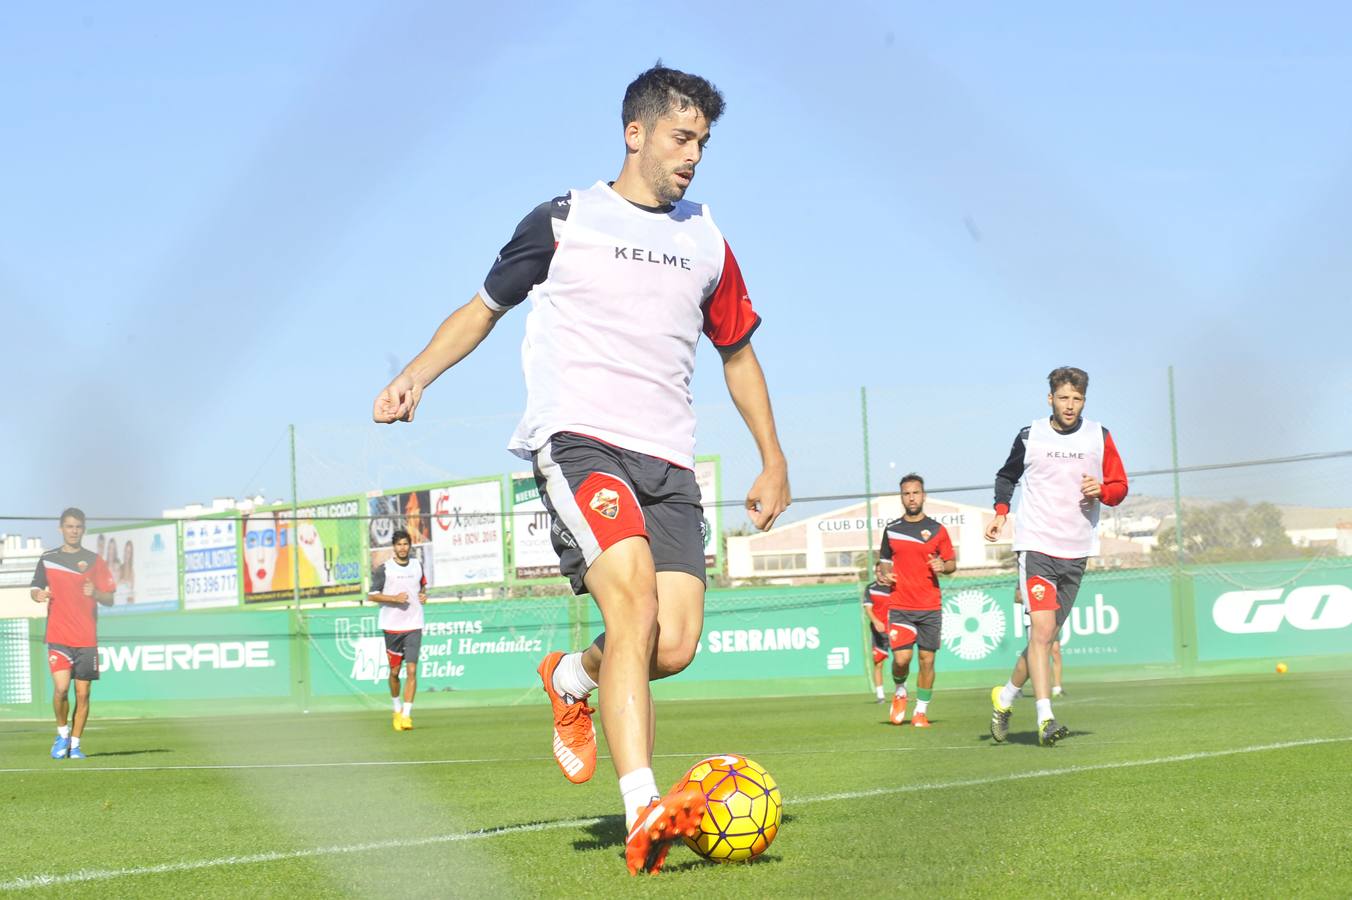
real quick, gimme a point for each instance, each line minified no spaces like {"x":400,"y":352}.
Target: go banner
{"x":1277,"y":609}
{"x":327,"y":541}
{"x":199,"y":656}
{"x":144,"y":563}
{"x":1116,"y":621}
{"x":465,"y":646}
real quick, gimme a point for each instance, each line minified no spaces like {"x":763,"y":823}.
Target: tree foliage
{"x":1227,"y":532}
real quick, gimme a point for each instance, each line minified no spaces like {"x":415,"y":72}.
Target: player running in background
{"x":919,"y":550}
{"x":1069,"y":467}
{"x":877,"y":596}
{"x":72,"y":580}
{"x":400,"y":587}
{"x":622,"y":279}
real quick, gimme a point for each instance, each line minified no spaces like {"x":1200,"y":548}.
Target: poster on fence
{"x":533,"y":554}
{"x":707,"y":477}
{"x":409,"y":511}
{"x":326,"y":551}
{"x":456,"y":531}
{"x":144,"y":564}
{"x":210,"y":563}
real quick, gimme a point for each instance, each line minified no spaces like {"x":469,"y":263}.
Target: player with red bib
{"x":72,"y":581}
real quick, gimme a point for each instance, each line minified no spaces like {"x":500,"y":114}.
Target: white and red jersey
{"x":619,"y":297}
{"x":391,"y":579}
{"x":72,"y":618}
{"x":1054,"y":517}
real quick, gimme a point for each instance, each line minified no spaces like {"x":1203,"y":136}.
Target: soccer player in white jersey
{"x":400,"y":587}
{"x":1069,"y":467}
{"x":622,"y":279}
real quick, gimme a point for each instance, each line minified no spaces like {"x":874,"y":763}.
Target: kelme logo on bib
{"x":606,"y":502}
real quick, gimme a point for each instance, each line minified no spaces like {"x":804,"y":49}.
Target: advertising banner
{"x":328,"y":541}
{"x":209,"y":655}
{"x":401,"y":510}
{"x":16,"y":671}
{"x":533,"y":554}
{"x":144,"y":563}
{"x":465,"y":647}
{"x":468,"y":543}
{"x":1116,"y":621}
{"x":707,"y":473}
{"x":210,"y":563}
{"x":1277,"y":609}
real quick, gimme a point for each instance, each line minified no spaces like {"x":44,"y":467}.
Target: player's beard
{"x":661,"y":180}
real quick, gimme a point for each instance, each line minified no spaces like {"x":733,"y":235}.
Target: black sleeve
{"x":1011,"y":471}
{"x":885,"y":549}
{"x":378,"y":579}
{"x":40,"y":575}
{"x":524,"y":261}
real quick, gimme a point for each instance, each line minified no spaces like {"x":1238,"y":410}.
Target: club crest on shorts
{"x":606,"y":502}
{"x":52,"y":659}
{"x":1038,"y":591}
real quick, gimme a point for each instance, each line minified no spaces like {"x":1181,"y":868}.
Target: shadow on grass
{"x":110,"y":753}
{"x":1029,"y":738}
{"x":609,"y":833}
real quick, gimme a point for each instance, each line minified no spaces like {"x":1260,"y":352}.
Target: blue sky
{"x":215,"y":222}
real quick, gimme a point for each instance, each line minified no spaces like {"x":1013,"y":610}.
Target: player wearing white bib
{"x":1069,"y":467}
{"x":400,"y":587}
{"x":622,"y":280}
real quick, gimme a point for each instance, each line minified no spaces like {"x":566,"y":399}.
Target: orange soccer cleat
{"x":574,"y":733}
{"x":920,"y":720}
{"x":898,"y":714}
{"x":661,"y":823}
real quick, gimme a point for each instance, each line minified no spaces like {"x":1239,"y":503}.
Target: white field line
{"x":92,"y":875}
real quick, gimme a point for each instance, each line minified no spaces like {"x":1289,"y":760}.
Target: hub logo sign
{"x":1304,"y":614}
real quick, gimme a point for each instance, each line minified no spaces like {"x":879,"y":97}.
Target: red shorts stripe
{"x":902,"y":635}
{"x":610,"y":508}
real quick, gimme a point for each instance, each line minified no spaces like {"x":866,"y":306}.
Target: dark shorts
{"x":1048,"y":582}
{"x":402,"y":647}
{"x":880,"y":648}
{"x":81,"y":662}
{"x":598,"y":495}
{"x":918,"y":627}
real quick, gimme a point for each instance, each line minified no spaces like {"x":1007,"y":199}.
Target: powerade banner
{"x":144,"y":563}
{"x":465,"y":647}
{"x":208,"y":655}
{"x":327,"y":543}
{"x":533,"y":554}
{"x":1278,"y":609}
{"x":707,"y":477}
{"x":210,"y":563}
{"x":1116,"y":621}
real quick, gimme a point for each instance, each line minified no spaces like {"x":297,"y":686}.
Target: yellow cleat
{"x":405,"y":723}
{"x":398,"y":722}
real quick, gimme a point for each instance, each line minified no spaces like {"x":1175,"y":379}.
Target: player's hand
{"x":398,"y":401}
{"x":1091,"y":487}
{"x":422,"y":598}
{"x":884,"y":574}
{"x":42,"y":596}
{"x":87,"y":588}
{"x":994,"y":528}
{"x":936,"y":564}
{"x":769,"y":497}
{"x":402,"y":598}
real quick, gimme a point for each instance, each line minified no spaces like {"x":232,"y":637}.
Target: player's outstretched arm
{"x":457,"y":337}
{"x":769,"y":495}
{"x":388,"y":599}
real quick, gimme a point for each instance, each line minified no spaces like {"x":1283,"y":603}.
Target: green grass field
{"x":1229,"y":786}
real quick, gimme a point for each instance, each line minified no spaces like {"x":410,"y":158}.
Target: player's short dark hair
{"x":400,"y":535}
{"x":1076,"y":378}
{"x":659,"y":90}
{"x":72,"y":512}
{"x":911,"y":477}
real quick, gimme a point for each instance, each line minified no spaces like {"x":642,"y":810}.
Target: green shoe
{"x":1049,"y":732}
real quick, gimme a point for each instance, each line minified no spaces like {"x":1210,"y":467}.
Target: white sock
{"x":880,"y":692}
{"x":63,"y":730}
{"x":571,"y":679}
{"x":1008,"y":693}
{"x":920,"y":707}
{"x":1056,"y":691}
{"x":1044,"y":710}
{"x":637,"y":790}
{"x":901,"y":690}
{"x":74,"y":743}
{"x":408,"y":708}
{"x":398,"y":704}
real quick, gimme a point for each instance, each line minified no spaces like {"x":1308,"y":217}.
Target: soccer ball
{"x":743,"y":812}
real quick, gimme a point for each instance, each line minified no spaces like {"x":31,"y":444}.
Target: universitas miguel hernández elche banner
{"x":327,"y":544}
{"x":144,"y":564}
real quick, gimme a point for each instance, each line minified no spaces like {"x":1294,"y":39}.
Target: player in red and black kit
{"x":915,"y":551}
{"x":71,"y":580}
{"x":877,"y":599}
